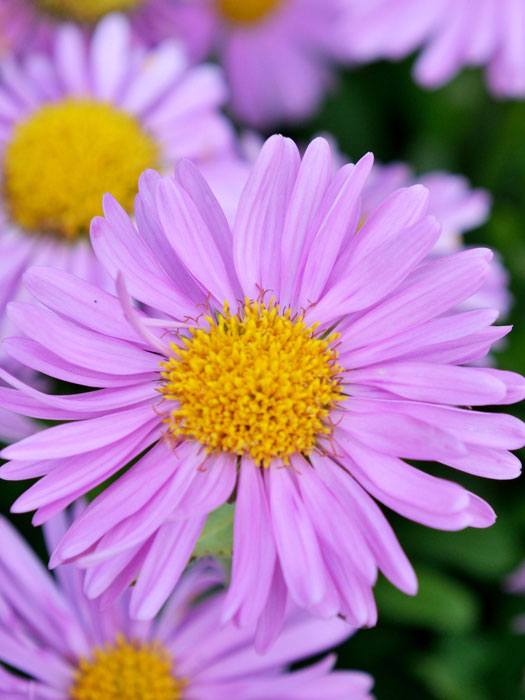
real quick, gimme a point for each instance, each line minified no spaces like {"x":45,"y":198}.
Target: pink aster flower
{"x":290,"y":365}
{"x":30,"y":24}
{"x":69,"y":649}
{"x":276,"y":54}
{"x":86,"y":120}
{"x":452,"y":33}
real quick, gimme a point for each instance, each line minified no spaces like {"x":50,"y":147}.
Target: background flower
{"x":452,"y":33}
{"x":278,"y":55}
{"x":26,"y":25}
{"x":80,"y":122}
{"x":66,"y":647}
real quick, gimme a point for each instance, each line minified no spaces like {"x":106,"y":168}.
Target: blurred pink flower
{"x":62,"y":117}
{"x":451,"y":34}
{"x":277,"y":54}
{"x":26,"y":25}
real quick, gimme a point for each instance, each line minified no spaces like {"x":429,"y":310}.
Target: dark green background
{"x":454,"y":641}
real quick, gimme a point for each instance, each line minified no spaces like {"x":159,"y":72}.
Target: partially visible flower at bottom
{"x":70,"y":649}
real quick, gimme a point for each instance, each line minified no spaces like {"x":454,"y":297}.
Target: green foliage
{"x":217,"y":537}
{"x":442,"y":604}
{"x":484,"y":554}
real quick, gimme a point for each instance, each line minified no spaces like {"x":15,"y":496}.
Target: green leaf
{"x":446,"y":684}
{"x":488,"y":554}
{"x":442,"y":604}
{"x":217,"y":537}
{"x":474,"y":667}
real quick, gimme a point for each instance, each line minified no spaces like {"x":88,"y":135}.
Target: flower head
{"x":277,"y":54}
{"x":27,"y":25}
{"x":288,"y":366}
{"x":452,"y":35}
{"x":86,"y":120}
{"x":69,"y":649}
{"x":64,"y":200}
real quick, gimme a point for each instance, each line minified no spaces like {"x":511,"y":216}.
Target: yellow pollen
{"x":88,"y":11}
{"x":247,"y":11}
{"x":127,"y":671}
{"x":64,"y":157}
{"x":260,"y":383}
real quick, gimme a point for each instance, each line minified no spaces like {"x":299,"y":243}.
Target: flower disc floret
{"x":259,"y":382}
{"x":127,"y":671}
{"x":89,"y":11}
{"x":247,"y":11}
{"x":65,"y":156}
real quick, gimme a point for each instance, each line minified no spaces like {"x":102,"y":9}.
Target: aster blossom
{"x":31,"y":24}
{"x":277,"y":54}
{"x":288,"y":366}
{"x":71,"y":650}
{"x":452,"y":34}
{"x":84,"y":120}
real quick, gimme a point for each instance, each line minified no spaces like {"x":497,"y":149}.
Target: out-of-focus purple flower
{"x":277,"y":54}
{"x":291,"y":364}
{"x":26,"y":25}
{"x":84,"y":120}
{"x":70,"y":649}
{"x":452,"y":34}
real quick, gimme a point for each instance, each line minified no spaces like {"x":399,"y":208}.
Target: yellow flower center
{"x":85,"y":10}
{"x":247,"y":11}
{"x":260,"y":383}
{"x":127,"y":671}
{"x":62,"y":159}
